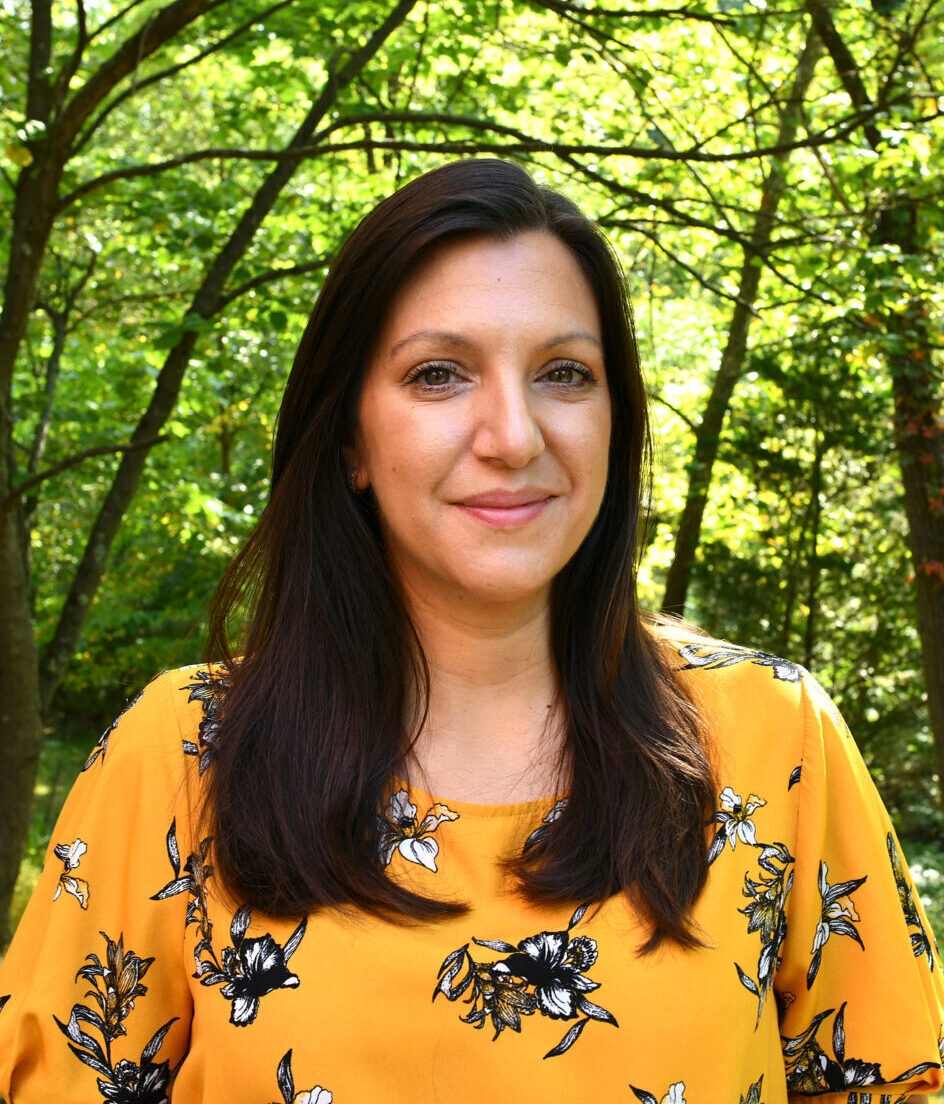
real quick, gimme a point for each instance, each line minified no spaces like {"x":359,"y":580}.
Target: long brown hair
{"x":313,"y":728}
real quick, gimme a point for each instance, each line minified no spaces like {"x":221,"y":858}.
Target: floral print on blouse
{"x":133,"y":979}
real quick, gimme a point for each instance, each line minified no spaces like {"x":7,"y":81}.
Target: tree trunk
{"x":813,"y":565}
{"x":919,"y":402}
{"x":919,"y":442}
{"x":708,"y":434}
{"x":20,"y":717}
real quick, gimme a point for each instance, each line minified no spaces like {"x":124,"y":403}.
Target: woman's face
{"x":484,"y":421}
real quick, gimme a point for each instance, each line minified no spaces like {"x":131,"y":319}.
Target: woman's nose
{"x":507,"y":428}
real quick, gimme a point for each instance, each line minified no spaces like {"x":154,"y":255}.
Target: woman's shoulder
{"x":752,"y":701}
{"x":176,"y":714}
{"x":704,"y":661}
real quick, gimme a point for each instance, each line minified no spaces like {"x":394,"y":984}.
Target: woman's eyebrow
{"x":442,"y":336}
{"x":456,"y":340}
{"x":573,"y":335}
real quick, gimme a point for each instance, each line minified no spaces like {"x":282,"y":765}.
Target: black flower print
{"x":766,"y":894}
{"x":544,"y":973}
{"x":753,"y":1093}
{"x":920,"y":941}
{"x":209,"y":688}
{"x":193,"y":880}
{"x":250,"y":968}
{"x":71,"y":854}
{"x":98,"y":752}
{"x":541,"y":831}
{"x":675,"y":1095}
{"x":146,"y":1083}
{"x":496,"y":994}
{"x":317,"y":1095}
{"x":116,"y":985}
{"x":838,"y":917}
{"x":766,"y":913}
{"x":734,"y":816}
{"x":3,"y":1000}
{"x":120,"y":976}
{"x":247,"y":970}
{"x":812,"y":1071}
{"x":713,"y":656}
{"x":400,"y":831}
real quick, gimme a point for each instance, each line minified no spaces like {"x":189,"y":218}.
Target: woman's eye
{"x":432,"y":375}
{"x":569,"y":375}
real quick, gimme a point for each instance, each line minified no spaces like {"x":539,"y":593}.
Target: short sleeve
{"x":859,"y":986}
{"x":94,"y":997}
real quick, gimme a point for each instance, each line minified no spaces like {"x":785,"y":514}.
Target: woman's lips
{"x":504,"y":509}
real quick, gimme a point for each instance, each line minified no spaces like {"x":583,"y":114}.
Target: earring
{"x":350,"y":476}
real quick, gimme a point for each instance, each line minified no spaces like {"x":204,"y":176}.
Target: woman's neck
{"x":491,"y":732}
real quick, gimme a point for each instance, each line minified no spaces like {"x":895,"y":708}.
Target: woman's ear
{"x":355,"y":473}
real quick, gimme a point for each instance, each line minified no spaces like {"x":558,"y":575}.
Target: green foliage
{"x":927,"y":868}
{"x":62,"y":758}
{"x":804,"y":544}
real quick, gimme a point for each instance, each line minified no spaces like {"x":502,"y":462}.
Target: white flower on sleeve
{"x":70,"y":854}
{"x":735,"y":817}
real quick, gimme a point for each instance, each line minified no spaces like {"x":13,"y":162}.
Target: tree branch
{"x":846,"y":68}
{"x":159,"y":29}
{"x":269,"y":276}
{"x":562,"y":7}
{"x":116,"y":18}
{"x":172,"y":70}
{"x":71,"y":67}
{"x":659,"y":398}
{"x":524,"y":144}
{"x":73,"y":462}
{"x":38,"y":100}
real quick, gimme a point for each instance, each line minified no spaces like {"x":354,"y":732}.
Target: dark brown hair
{"x":313,"y":728}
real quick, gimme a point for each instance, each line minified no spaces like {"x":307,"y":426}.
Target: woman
{"x":455,"y":780}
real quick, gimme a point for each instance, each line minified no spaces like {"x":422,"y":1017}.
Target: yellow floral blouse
{"x":131,"y":979}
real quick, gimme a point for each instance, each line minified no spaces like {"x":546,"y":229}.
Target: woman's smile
{"x":504,"y":509}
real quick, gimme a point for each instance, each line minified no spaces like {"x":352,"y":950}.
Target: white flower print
{"x":71,"y":854}
{"x":838,"y":917}
{"x":675,"y":1095}
{"x":835,"y":909}
{"x":541,"y":831}
{"x":399,"y":831}
{"x":317,"y":1095}
{"x":734,"y":816}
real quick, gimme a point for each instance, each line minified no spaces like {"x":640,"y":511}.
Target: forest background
{"x":176,"y":176}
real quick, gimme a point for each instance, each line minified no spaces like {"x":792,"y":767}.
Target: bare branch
{"x":846,"y":68}
{"x":172,"y":70}
{"x":652,"y":236}
{"x":38,"y":98}
{"x":159,"y":29}
{"x":563,"y":7}
{"x":524,"y":144}
{"x":71,"y":67}
{"x":73,"y":462}
{"x":269,"y":276}
{"x":658,"y":397}
{"x":116,"y":18}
